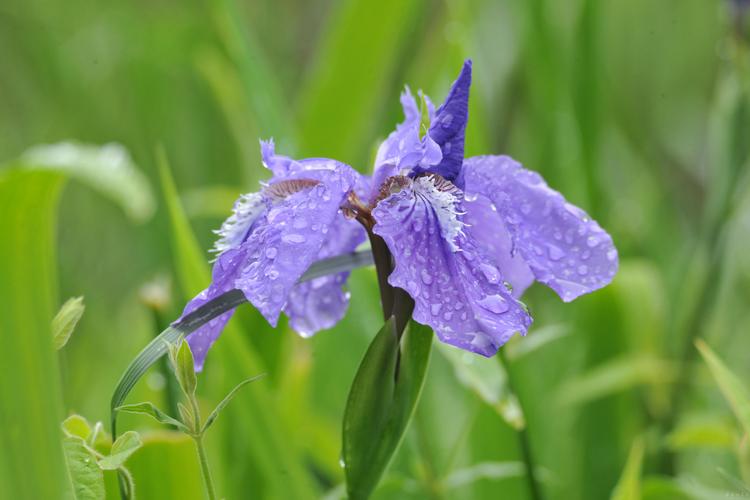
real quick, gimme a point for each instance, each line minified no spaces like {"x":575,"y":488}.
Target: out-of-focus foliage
{"x":638,"y":110}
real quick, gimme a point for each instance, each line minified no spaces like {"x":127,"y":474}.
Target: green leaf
{"x":486,"y":377}
{"x":107,"y":169}
{"x":30,"y":390}
{"x":381,"y":402}
{"x":214,"y":414}
{"x":629,"y":485}
{"x":66,"y":320}
{"x":186,"y":414}
{"x":77,"y":426}
{"x":184,"y":368}
{"x":166,"y":468}
{"x":361,"y":35}
{"x":84,"y":472}
{"x":122,"y":448}
{"x":148,"y":408}
{"x":731,"y":387}
{"x":702,"y":433}
{"x":616,"y":375}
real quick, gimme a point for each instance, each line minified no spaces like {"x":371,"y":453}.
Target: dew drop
{"x":525,"y":208}
{"x":435,"y":309}
{"x":494,"y":303}
{"x":612,"y":255}
{"x":554,"y":252}
{"x":272,"y":273}
{"x":447,"y":315}
{"x":446,"y":120}
{"x":583,"y":269}
{"x":271,"y":252}
{"x":490,"y":272}
{"x":293,"y":238}
{"x":592,"y":241}
{"x":426,"y":277}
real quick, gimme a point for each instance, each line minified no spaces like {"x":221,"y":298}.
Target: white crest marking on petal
{"x":443,"y":197}
{"x":246,"y":210}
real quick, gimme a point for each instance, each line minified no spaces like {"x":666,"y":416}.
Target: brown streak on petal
{"x":282,"y":189}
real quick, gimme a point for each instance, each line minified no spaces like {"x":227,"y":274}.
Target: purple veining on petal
{"x":287,"y":241}
{"x":300,"y":216}
{"x":457,"y":291}
{"x":448,"y":128}
{"x":487,"y":228}
{"x":563,"y":246}
{"x":320,"y":303}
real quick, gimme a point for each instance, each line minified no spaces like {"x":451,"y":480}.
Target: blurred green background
{"x":636,"y":110}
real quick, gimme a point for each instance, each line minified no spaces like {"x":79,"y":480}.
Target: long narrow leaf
{"x":381,"y":403}
{"x":31,"y":462}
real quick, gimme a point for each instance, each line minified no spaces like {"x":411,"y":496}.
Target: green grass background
{"x":636,"y":110}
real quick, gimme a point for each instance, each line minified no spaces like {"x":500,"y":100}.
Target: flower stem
{"x":208,"y":481}
{"x":524,"y":443}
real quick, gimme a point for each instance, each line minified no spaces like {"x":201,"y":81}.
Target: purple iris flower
{"x":467,"y":236}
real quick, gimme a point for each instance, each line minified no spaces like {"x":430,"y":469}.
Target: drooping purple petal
{"x":448,"y":127}
{"x":226,"y":268}
{"x":562,"y":245}
{"x":320,"y":303}
{"x":456,"y":290}
{"x":266,"y":250}
{"x":487,"y":228}
{"x":286,"y":241}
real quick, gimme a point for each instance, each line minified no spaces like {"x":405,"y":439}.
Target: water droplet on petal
{"x":583,"y":269}
{"x":490,"y":272}
{"x":495,"y":304}
{"x":447,"y":315}
{"x":554,"y":252}
{"x":612,"y":255}
{"x":446,"y":121}
{"x":592,"y":241}
{"x":426,"y":277}
{"x":525,"y":208}
{"x":293,"y":238}
{"x":272,"y":273}
{"x":271,"y":252}
{"x":435,"y":309}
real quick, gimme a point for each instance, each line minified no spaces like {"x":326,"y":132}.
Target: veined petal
{"x":286,"y":241}
{"x":235,"y":229}
{"x":264,"y":252}
{"x":489,"y":232}
{"x":320,"y":303}
{"x":563,"y":246}
{"x":456,"y":290}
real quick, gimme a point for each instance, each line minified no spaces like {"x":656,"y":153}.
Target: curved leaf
{"x":381,"y":402}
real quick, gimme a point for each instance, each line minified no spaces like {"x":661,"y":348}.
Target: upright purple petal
{"x":456,"y":290}
{"x":448,"y":128}
{"x":320,"y":303}
{"x":404,"y":148}
{"x":562,"y":245}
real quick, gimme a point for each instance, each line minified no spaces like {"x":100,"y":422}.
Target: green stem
{"x":524,"y":443}
{"x":208,"y":481}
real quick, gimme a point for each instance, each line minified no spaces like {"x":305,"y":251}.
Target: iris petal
{"x":485,"y":225}
{"x":456,"y":290}
{"x":300,"y":222}
{"x":563,"y":246}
